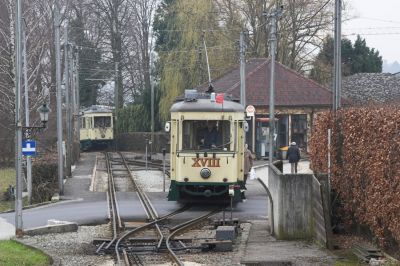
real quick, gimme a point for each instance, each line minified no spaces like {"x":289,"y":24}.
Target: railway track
{"x":124,"y":243}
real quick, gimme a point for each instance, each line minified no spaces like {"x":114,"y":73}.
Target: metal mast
{"x":242,"y":70}
{"x":273,"y":16}
{"x":337,"y":55}
{"x":58,"y":96}
{"x":27,"y":122}
{"x":67,"y":102}
{"x":18,"y":124}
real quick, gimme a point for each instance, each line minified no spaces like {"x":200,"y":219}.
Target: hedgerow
{"x":365,"y":156}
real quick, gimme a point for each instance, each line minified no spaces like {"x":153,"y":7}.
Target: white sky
{"x":378,"y":21}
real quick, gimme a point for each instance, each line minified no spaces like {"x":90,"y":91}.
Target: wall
{"x":293,"y":198}
{"x":136,"y":141}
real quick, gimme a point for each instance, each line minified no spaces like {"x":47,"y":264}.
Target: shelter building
{"x":297,"y":100}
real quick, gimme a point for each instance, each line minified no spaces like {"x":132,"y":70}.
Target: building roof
{"x":364,"y":88}
{"x":291,"y":88}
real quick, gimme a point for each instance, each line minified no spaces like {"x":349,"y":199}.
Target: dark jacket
{"x":209,"y":138}
{"x":293,"y":154}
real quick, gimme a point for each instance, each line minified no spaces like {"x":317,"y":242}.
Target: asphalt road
{"x":93,"y":210}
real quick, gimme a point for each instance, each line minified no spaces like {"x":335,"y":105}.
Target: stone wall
{"x":136,"y":141}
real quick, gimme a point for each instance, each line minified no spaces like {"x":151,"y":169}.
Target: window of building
{"x":299,"y":130}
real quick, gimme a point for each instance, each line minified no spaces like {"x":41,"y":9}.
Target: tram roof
{"x":97,"y":109}
{"x":205,"y":105}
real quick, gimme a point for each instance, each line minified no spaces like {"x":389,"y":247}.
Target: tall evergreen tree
{"x":357,"y":58}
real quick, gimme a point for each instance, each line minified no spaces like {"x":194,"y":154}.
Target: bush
{"x":365,"y":166}
{"x":44,"y":180}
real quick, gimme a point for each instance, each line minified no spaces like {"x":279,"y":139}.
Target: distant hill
{"x":390,"y":67}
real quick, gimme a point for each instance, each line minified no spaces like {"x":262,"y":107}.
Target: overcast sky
{"x":378,"y":21}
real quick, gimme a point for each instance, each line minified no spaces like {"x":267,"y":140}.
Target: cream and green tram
{"x":96,"y":130}
{"x":207,"y":150}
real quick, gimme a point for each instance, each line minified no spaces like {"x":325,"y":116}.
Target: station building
{"x":297,"y":100}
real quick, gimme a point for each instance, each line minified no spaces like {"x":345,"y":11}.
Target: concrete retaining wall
{"x":293,"y":198}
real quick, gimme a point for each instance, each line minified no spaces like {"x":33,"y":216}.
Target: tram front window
{"x":102,"y":121}
{"x":206,"y":135}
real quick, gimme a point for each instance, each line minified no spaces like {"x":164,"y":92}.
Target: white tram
{"x":96,"y":127}
{"x":207,"y":148}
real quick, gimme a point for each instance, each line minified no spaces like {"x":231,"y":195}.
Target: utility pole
{"x":76,"y":100}
{"x":152,"y":103}
{"x":116,"y":88}
{"x":59,"y":96}
{"x":67,"y":103}
{"x":26,"y":90}
{"x":242,"y":49}
{"x":18,"y":124}
{"x":337,"y":56}
{"x":71,"y":108}
{"x":273,"y":16}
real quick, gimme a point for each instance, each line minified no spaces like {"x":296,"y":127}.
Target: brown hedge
{"x":365,"y":165}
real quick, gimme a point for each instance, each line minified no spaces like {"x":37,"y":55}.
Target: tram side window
{"x":204,"y":135}
{"x":102,"y":121}
{"x":83,"y":122}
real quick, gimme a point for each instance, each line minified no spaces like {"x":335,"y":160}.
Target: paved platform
{"x":263,"y":249}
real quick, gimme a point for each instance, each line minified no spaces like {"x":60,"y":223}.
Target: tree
{"x":181,"y":27}
{"x":357,"y":58}
{"x":91,"y":69}
{"x":365,"y":59}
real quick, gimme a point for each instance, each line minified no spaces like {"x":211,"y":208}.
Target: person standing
{"x":248,"y":162}
{"x":209,"y":136}
{"x":293,"y":155}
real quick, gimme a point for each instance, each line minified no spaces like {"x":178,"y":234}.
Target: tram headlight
{"x":205,"y":173}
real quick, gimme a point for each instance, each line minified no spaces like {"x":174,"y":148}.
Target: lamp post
{"x":44,"y":117}
{"x":28,"y":132}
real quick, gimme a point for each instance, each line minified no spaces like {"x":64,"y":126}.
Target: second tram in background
{"x":207,"y":149}
{"x":97,"y":128}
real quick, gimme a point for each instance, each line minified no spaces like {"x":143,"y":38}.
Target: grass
{"x":13,"y":253}
{"x":7,"y":177}
{"x":348,"y":258}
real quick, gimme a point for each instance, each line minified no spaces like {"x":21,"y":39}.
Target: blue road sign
{"x":29,"y":148}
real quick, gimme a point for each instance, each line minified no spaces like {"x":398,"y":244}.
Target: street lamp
{"x":44,"y":114}
{"x":44,"y":117}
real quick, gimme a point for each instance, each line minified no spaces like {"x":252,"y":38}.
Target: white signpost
{"x":250,"y":110}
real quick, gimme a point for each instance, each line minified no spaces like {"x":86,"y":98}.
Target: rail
{"x":113,"y":202}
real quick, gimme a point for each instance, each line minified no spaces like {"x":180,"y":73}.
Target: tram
{"x":96,"y":130}
{"x":207,"y":148}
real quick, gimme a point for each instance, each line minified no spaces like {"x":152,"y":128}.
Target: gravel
{"x":73,"y":248}
{"x":77,"y":249}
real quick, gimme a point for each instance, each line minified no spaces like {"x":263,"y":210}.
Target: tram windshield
{"x":206,"y":135}
{"x":102,"y":121}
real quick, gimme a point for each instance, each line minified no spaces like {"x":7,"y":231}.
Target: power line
{"x":379,"y":19}
{"x":376,"y":33}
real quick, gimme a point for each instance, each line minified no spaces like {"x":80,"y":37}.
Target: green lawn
{"x":7,"y":177}
{"x":347,"y":259}
{"x":13,"y":253}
